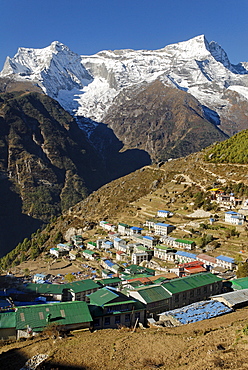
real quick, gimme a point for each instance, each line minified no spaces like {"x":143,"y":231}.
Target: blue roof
{"x":40,"y":275}
{"x":136,"y":228}
{"x":199,"y":311}
{"x":226,"y":259}
{"x":186,"y":254}
{"x":109,"y":263}
{"x":108,"y":242}
{"x":148,"y":237}
{"x":162,"y":224}
{"x":161,"y":210}
{"x":232,"y":213}
{"x":117,"y":239}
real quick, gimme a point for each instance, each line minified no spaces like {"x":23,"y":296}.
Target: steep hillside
{"x":233,"y":150}
{"x":164,"y":121}
{"x":47,"y":163}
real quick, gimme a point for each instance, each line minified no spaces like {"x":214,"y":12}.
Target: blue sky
{"x":88,"y":26}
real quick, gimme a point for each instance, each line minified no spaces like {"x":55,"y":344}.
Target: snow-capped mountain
{"x":87,"y":85}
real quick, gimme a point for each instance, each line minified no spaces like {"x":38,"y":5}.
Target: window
{"x":177,"y":298}
{"x":127,"y":317}
{"x":117,"y":319}
{"x":137,"y":315}
{"x":107,"y":321}
{"x":96,"y":322}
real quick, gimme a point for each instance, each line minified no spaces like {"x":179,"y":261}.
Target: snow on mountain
{"x":87,"y":85}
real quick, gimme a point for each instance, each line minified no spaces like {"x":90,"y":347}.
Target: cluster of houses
{"x":128,"y":292}
{"x":137,"y":296}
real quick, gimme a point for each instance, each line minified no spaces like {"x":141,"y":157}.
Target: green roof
{"x":241,"y":283}
{"x":141,"y":248}
{"x":153,"y":293}
{"x":102,"y":296}
{"x":65,"y":313}
{"x":7,"y":320}
{"x":190,"y":282}
{"x":87,"y":251}
{"x":184,"y":241}
{"x":163,"y":247}
{"x":82,"y":285}
{"x":122,"y":224}
{"x":44,"y":288}
{"x":110,"y":281}
{"x":92,"y":243}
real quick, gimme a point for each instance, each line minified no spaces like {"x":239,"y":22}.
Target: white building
{"x":226,"y":262}
{"x":137,"y":258}
{"x":163,"y":229}
{"x":164,"y":214}
{"x":234,"y":218}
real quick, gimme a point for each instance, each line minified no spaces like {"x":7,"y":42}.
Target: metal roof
{"x":102,"y":296}
{"x":190,"y":282}
{"x":185,"y":254}
{"x":153,"y":293}
{"x":226,"y":259}
{"x":66,"y":313}
{"x":233,"y":298}
{"x":7,"y":320}
{"x":162,"y":224}
{"x":82,"y":285}
{"x":241,"y":283}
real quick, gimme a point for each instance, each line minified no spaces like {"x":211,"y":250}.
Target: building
{"x":184,"y":244}
{"x":155,"y":298}
{"x":73,"y":254}
{"x":39,"y":278}
{"x":164,"y":253}
{"x":139,"y":257}
{"x":91,"y":245}
{"x":183,"y":257}
{"x":79,"y":290}
{"x":209,"y":261}
{"x":107,"y":226}
{"x":164,"y":214}
{"x":146,"y":241}
{"x":112,"y":309}
{"x":123,"y":229}
{"x":89,"y":254}
{"x":8,"y":325}
{"x":69,"y":315}
{"x":118,"y":243}
{"x":234,"y":218}
{"x":190,"y":289}
{"x":163,"y":229}
{"x":226,"y":262}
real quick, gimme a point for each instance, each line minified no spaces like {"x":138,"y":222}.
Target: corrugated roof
{"x":7,"y":320}
{"x":226,"y":259}
{"x":233,"y":298}
{"x":241,"y":283}
{"x":153,"y":293}
{"x":66,"y":313}
{"x":82,"y":285}
{"x":205,"y":257}
{"x":44,"y":288}
{"x":185,"y":254}
{"x":102,"y":296}
{"x":190,"y":282}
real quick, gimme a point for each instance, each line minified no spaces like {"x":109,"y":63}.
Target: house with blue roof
{"x":135,"y":230}
{"x":226,"y":262}
{"x":234,"y":218}
{"x":183,"y":257}
{"x":164,"y":214}
{"x":119,"y":243}
{"x":163,"y":229}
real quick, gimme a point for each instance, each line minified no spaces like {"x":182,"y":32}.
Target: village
{"x":130,"y":276}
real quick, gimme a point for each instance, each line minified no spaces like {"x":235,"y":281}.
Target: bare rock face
{"x":164,"y":121}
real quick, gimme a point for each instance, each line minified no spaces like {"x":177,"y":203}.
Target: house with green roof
{"x":164,"y":253}
{"x":112,"y":309}
{"x":155,"y":298}
{"x":8,"y":325}
{"x":89,"y":254}
{"x":241,"y":283}
{"x":68,"y":315}
{"x":190,"y":289}
{"x":79,"y":290}
{"x":184,"y":243}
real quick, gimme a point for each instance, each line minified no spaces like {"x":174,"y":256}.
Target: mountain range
{"x":93,"y":86}
{"x":72,"y":123}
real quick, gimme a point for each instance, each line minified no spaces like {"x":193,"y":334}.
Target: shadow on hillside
{"x":15,"y":360}
{"x":118,"y":162}
{"x":14,"y":226}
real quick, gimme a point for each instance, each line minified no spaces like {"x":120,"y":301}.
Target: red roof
{"x":195,"y":270}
